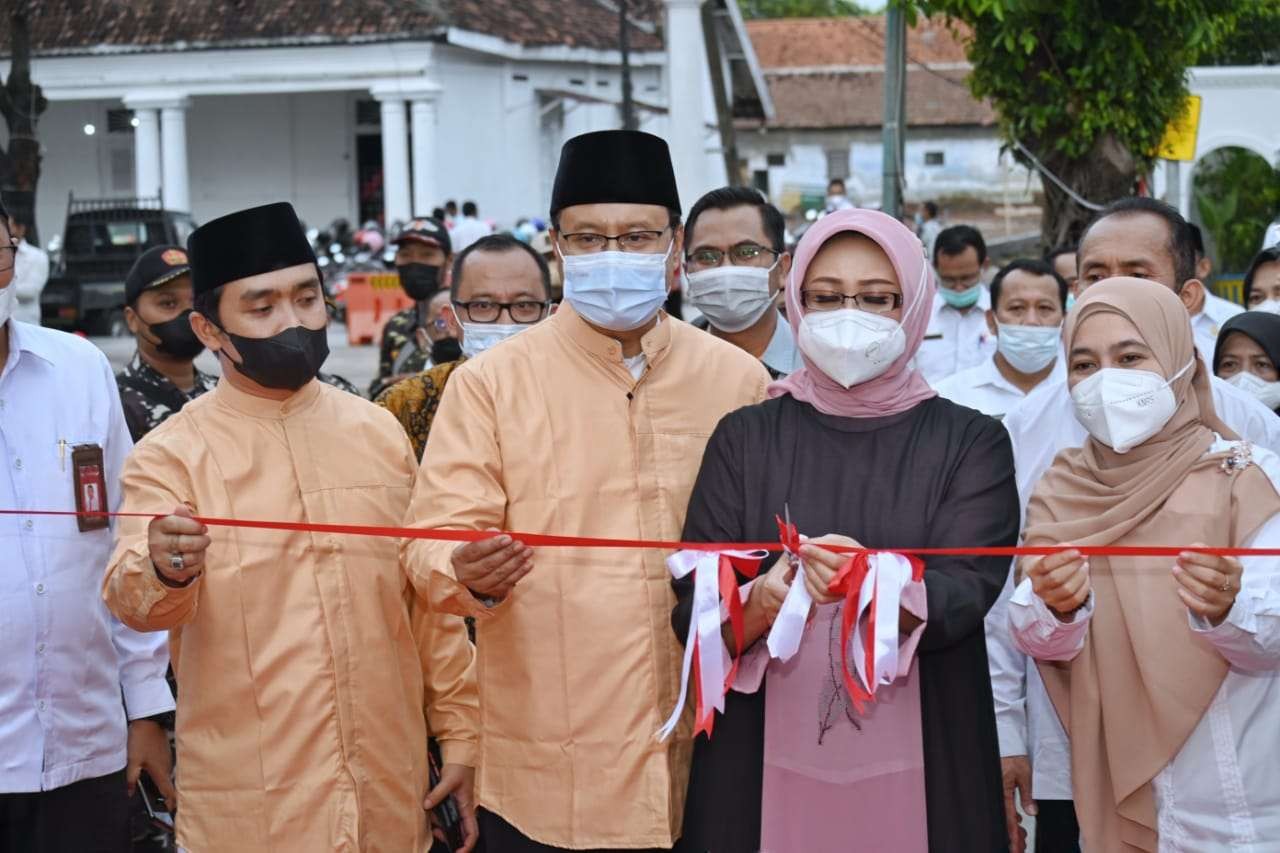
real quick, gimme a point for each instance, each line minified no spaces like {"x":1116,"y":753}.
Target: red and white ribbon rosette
{"x":705,"y":655}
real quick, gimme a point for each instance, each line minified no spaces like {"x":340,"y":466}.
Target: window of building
{"x":837,"y":163}
{"x":120,"y":121}
{"x":760,"y":180}
{"x":368,"y":113}
{"x":935,"y":158}
{"x":775,"y":159}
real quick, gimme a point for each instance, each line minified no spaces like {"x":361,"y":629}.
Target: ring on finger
{"x":1226,"y":586}
{"x":177,"y":562}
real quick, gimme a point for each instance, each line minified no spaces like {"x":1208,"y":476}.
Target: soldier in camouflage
{"x":162,"y":375}
{"x":423,"y":251}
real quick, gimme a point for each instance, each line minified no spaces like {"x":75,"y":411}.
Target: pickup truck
{"x":101,"y":241}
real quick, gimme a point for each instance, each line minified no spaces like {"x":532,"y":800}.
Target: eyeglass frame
{"x":688,"y":257}
{"x":898,"y":301}
{"x":615,"y":239}
{"x":13,"y":248}
{"x":507,"y":306}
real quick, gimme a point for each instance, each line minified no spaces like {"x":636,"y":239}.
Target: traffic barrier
{"x":372,"y":298}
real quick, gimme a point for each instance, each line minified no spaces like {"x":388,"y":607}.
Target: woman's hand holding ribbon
{"x":821,"y":566}
{"x":1208,"y":585}
{"x":1061,"y":580}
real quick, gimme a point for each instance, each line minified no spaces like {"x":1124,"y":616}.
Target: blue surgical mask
{"x":619,"y":291}
{"x":1071,"y":301}
{"x":966,"y":298}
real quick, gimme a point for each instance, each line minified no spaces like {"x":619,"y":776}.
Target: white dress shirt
{"x":955,"y":340}
{"x":30,"y":274}
{"x":466,"y":231}
{"x":69,"y":672}
{"x":984,"y":388}
{"x":1206,"y":325}
{"x":1039,"y":427}
{"x":1222,"y":789}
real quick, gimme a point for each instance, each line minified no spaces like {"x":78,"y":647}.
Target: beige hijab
{"x":1143,"y":681}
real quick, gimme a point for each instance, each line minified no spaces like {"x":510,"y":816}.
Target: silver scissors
{"x":792,"y":556}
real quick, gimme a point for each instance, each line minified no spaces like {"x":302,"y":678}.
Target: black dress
{"x":935,"y":476}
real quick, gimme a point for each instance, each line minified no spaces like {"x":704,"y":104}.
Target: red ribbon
{"x":848,"y":583}
{"x":728,"y":582}
{"x":545,"y":540}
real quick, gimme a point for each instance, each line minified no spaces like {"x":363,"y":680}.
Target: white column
{"x":686,"y":60}
{"x":422,"y":111}
{"x":173,"y":132}
{"x":395,"y":160}
{"x":146,"y":152}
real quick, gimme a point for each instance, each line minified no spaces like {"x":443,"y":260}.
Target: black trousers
{"x":498,"y":836}
{"x":90,"y":816}
{"x":1057,"y":830}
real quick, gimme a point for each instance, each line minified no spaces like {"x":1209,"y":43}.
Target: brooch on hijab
{"x":1241,"y":457}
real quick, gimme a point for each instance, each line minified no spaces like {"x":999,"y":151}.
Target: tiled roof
{"x":69,"y":26}
{"x":827,"y":72}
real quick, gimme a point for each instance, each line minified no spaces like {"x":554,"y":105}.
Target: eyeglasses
{"x":741,"y":255}
{"x":7,"y":264}
{"x":487,"y":311}
{"x":632,"y":241}
{"x":830,"y":300}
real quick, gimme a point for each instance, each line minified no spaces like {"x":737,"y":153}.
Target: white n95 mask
{"x":1266,"y":392}
{"x":1271,"y":306}
{"x":1123,"y":408}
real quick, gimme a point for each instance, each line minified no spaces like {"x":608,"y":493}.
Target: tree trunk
{"x":1106,"y":174}
{"x":21,"y":103}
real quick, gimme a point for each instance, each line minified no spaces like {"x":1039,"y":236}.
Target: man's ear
{"x":210,"y":335}
{"x":451,"y":321}
{"x":132,"y":320}
{"x":991,"y":322}
{"x":1192,"y":295}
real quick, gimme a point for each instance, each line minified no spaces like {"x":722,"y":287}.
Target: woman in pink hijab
{"x":861,"y":451}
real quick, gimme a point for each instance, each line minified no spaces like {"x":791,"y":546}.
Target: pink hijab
{"x":900,"y":387}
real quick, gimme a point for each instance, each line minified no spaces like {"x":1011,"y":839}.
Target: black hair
{"x":206,"y":305}
{"x":4,"y":214}
{"x":469,"y":208}
{"x":673,"y":219}
{"x":954,"y":240}
{"x":835,"y":181}
{"x":1180,"y":245}
{"x":1266,"y":256}
{"x":497,"y":243}
{"x":1197,"y":240}
{"x":1033,"y":267}
{"x":1053,"y":254}
{"x":931,"y":208}
{"x":437,"y":214}
{"x":726,"y":198}
{"x":450,"y":205}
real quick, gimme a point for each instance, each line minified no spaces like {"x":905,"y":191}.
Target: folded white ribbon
{"x":704,"y":632}
{"x":788,"y":625}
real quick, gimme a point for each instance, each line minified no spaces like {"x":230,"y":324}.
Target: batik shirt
{"x":414,"y":401}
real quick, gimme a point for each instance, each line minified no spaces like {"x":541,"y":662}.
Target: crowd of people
{"x":884,"y":389}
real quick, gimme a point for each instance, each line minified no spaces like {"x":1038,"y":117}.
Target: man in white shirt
{"x":469,"y":228}
{"x":1028,"y":302}
{"x":958,"y":337}
{"x":70,"y":674}
{"x":30,"y":274}
{"x":1208,"y":316}
{"x":930,"y":227}
{"x":1138,"y":237}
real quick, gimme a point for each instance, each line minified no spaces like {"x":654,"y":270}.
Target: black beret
{"x":615,"y":166}
{"x":247,"y":243}
{"x":153,"y":268}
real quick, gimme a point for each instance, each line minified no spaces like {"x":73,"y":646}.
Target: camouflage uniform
{"x":338,"y":382}
{"x":149,"y":397}
{"x":394,"y":359}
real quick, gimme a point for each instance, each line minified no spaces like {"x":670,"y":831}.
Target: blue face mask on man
{"x":966,"y":298}
{"x":619,"y":291}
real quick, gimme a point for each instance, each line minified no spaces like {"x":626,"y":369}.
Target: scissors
{"x":790,"y":536}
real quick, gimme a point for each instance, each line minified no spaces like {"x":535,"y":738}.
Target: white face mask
{"x":1271,"y":306}
{"x":732,"y":298}
{"x":1029,"y":349}
{"x":1123,"y":408}
{"x":854,"y":346}
{"x":6,"y":304}
{"x":1267,"y":392}
{"x":478,"y":337}
{"x":619,"y":291}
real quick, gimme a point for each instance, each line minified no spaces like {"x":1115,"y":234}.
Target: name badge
{"x":90,"y":486}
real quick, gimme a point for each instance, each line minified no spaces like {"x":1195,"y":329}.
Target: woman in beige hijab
{"x":1163,"y":670}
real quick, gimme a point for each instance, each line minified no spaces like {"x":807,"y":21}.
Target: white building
{"x":373,"y":109}
{"x":826,"y":80}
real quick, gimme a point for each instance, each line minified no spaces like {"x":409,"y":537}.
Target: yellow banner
{"x":1179,"y":141}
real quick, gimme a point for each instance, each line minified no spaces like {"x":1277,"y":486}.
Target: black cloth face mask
{"x":176,"y":337}
{"x":445,"y":350}
{"x":420,"y":281}
{"x":286,"y":361}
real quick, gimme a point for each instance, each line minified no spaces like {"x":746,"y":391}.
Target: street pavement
{"x":356,"y":364}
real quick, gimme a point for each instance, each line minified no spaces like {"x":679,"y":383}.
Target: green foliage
{"x":799,"y":8}
{"x":1237,"y":193}
{"x":1064,"y":73}
{"x":1256,"y":39}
